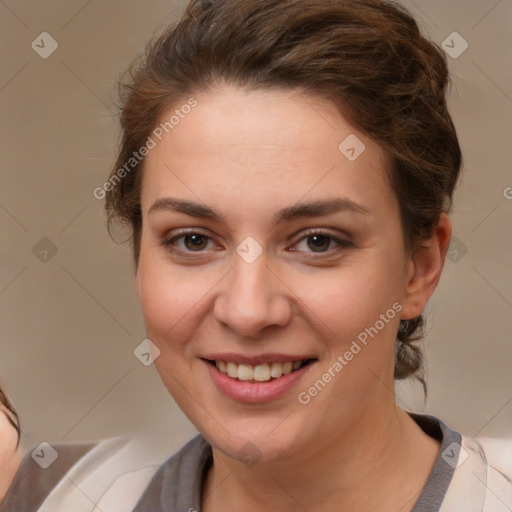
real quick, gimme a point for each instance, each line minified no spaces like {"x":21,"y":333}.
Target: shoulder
{"x":71,"y":476}
{"x":177,"y":483}
{"x":40,"y":471}
{"x":470,"y":474}
{"x":497,"y":454}
{"x":482,"y":480}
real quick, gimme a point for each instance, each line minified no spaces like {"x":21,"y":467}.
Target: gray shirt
{"x":176,"y":487}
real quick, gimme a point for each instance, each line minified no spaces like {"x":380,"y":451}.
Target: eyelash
{"x":342,"y":244}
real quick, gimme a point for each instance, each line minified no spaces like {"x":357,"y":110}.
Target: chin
{"x":257,"y":444}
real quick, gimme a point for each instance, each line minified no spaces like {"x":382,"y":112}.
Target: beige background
{"x":68,"y":326}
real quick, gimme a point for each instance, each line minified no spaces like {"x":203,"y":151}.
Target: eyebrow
{"x":300,"y":210}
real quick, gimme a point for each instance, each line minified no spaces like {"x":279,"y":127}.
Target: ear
{"x":424,"y":269}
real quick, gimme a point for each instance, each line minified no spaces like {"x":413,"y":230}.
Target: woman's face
{"x":265,"y":242}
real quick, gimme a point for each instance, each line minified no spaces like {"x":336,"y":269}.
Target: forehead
{"x":263,"y":148}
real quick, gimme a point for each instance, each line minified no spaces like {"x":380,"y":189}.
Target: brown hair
{"x":367,"y":57}
{"x":7,"y":407}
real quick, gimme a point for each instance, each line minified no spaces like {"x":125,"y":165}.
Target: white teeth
{"x":260,"y":373}
{"x":232,"y":369}
{"x":276,"y":370}
{"x":245,"y":372}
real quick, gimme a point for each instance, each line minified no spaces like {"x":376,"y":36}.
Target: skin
{"x":10,"y":457}
{"x":247,"y":155}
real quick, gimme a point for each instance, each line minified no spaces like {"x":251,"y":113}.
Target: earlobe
{"x":425,"y":268}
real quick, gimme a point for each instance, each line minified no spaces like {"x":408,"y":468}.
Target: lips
{"x":256,"y":379}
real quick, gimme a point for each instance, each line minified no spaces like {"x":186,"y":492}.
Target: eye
{"x":189,"y":241}
{"x":320,"y":242}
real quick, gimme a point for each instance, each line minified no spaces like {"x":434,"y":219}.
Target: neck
{"x":381,"y":463}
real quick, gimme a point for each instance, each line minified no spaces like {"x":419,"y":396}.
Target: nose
{"x":252,"y":298}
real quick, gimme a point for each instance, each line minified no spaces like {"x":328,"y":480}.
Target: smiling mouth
{"x":265,"y":372}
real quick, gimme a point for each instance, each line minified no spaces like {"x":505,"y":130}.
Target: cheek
{"x":172,"y":299}
{"x":170,"y":304}
{"x":161,"y":304}
{"x":355,"y":296}
{"x":356,"y":313}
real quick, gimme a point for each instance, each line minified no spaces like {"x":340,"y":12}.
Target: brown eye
{"x":319,"y":243}
{"x":195,"y":242}
{"x":189,"y":242}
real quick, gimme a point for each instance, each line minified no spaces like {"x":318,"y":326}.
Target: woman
{"x":10,"y":458}
{"x":287,"y":170}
